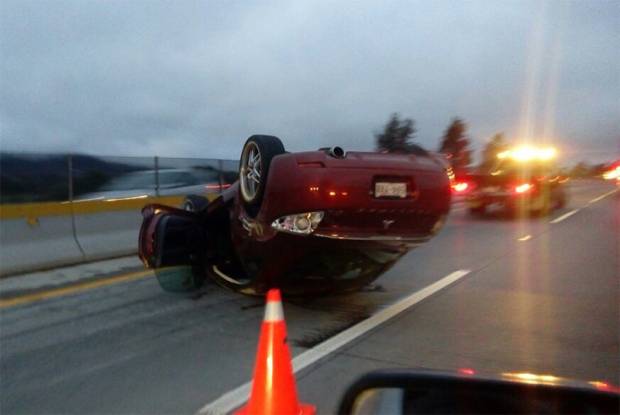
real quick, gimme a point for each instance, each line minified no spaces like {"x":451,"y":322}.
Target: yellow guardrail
{"x":31,"y":211}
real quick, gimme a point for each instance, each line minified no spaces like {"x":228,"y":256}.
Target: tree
{"x":496,"y":145}
{"x":397,"y":135}
{"x":454,"y":145}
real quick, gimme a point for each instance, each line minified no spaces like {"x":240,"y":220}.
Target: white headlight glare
{"x":299,"y":224}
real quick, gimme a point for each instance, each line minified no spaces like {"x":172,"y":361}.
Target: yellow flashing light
{"x":527,"y":153}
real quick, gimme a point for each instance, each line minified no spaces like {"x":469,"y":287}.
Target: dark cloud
{"x":196,"y":78}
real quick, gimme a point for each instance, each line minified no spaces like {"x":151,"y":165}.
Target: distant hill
{"x":44,"y":177}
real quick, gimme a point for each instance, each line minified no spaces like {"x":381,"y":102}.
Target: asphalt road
{"x":542,"y":296}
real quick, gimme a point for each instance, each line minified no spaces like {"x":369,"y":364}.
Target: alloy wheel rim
{"x":251,"y":169}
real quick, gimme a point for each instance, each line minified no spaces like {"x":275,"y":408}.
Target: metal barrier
{"x":37,"y":242}
{"x":42,"y":235}
{"x":57,"y":210}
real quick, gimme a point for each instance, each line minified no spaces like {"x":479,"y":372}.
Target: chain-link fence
{"x":29,"y":177}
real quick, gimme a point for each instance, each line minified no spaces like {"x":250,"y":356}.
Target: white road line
{"x":525,"y":238}
{"x":564,"y":216}
{"x":596,"y":199}
{"x":236,"y":397}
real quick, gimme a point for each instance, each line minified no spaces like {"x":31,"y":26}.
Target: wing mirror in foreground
{"x":407,"y":392}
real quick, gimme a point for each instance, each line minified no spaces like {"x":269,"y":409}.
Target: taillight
{"x":460,"y":187}
{"x":524,"y":188}
{"x":612,"y":174}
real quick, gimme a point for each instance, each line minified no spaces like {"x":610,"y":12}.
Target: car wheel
{"x":561,"y":200}
{"x":477,"y":211}
{"x":195,"y":203}
{"x":543,"y":205}
{"x":256,"y":157}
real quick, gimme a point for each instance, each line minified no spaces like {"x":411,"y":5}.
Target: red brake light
{"x":523,"y":188}
{"x":460,"y":187}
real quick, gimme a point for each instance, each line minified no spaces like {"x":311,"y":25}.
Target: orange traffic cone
{"x":273,"y":387}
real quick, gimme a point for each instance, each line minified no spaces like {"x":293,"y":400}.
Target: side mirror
{"x":407,"y":392}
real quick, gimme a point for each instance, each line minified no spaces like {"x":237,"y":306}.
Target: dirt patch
{"x":312,"y":339}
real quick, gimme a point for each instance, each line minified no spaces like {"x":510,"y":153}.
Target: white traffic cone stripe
{"x":274,"y":312}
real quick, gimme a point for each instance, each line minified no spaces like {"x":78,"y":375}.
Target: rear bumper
{"x":376,"y":238}
{"x":506,"y":199}
{"x":346,"y":195}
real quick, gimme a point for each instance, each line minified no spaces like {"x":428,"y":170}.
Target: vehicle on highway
{"x":162,"y":182}
{"x":612,"y":172}
{"x":523,"y":181}
{"x":465,"y":392}
{"x":308,"y":222}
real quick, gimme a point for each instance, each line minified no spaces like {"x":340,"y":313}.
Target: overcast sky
{"x":185,"y":78}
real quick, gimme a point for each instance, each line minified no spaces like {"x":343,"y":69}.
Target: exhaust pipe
{"x":335,"y":152}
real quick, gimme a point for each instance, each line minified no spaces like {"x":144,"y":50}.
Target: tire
{"x":195,"y":203}
{"x":543,"y":206}
{"x":477,"y":211}
{"x":561,"y":200}
{"x":256,"y":156}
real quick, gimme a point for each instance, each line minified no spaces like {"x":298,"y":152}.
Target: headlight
{"x":300,"y":224}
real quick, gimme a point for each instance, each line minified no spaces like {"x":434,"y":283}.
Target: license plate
{"x":391,"y":189}
{"x":491,"y":189}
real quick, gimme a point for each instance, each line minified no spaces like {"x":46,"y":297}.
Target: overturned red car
{"x":308,"y":223}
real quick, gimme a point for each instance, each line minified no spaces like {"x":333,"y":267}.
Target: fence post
{"x":70,"y":191}
{"x":156,"y":176}
{"x":220,"y":166}
{"x":70,"y":177}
